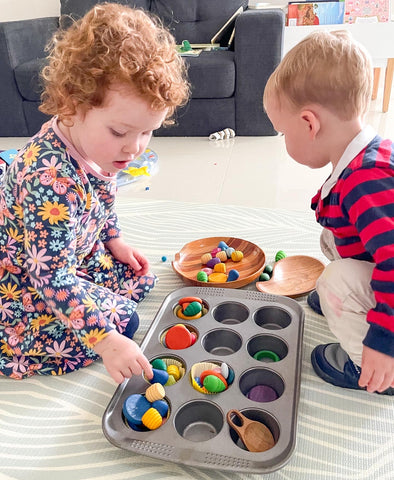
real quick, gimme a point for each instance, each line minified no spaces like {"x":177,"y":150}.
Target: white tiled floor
{"x":250,"y":171}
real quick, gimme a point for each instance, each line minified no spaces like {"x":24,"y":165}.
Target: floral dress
{"x":61,"y":290}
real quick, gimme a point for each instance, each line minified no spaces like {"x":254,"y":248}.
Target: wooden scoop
{"x":255,"y":435}
{"x":293,"y":276}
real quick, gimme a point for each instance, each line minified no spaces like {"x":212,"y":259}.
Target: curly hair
{"x":111,"y":44}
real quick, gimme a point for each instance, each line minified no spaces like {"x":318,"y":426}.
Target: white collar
{"x":359,"y":142}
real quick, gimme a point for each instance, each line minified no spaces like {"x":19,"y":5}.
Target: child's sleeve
{"x":369,"y":205}
{"x":60,"y":229}
{"x":111,"y":228}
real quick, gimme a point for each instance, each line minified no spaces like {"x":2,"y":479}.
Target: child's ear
{"x":311,"y":122}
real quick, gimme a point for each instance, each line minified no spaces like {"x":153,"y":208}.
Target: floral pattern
{"x":61,"y":290}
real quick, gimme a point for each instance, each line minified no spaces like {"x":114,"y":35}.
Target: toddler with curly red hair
{"x":69,"y":283}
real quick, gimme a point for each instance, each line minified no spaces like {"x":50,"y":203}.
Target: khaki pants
{"x":345,"y":297}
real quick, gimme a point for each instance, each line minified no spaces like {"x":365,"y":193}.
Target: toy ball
{"x":268,"y":269}
{"x":264,"y":277}
{"x":279,"y":255}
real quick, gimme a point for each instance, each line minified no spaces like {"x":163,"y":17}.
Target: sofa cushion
{"x":27,"y":78}
{"x":74,"y":9}
{"x":195,"y":20}
{"x":212,"y":74}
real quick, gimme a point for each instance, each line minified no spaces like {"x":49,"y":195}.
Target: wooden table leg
{"x":388,"y":81}
{"x":376,"y":77}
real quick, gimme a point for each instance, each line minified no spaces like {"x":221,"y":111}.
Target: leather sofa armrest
{"x":20,"y":41}
{"x":258,"y":47}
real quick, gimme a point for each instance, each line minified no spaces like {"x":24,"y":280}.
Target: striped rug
{"x":51,"y":427}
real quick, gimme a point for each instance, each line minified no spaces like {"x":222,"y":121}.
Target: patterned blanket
{"x":50,"y":427}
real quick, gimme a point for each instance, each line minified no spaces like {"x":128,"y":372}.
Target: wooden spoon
{"x":255,"y":435}
{"x":293,"y":276}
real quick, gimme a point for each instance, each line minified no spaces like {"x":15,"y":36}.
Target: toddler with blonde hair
{"x":318,"y":98}
{"x":69,"y":283}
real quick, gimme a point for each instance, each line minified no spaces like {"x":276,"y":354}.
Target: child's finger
{"x":146,"y":366}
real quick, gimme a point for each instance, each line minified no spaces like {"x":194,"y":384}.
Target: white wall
{"x":23,"y":9}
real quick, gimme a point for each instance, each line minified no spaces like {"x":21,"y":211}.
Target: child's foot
{"x":314,"y":302}
{"x":333,"y":365}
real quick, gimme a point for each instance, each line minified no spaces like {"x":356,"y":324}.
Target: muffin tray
{"x":238,"y":324}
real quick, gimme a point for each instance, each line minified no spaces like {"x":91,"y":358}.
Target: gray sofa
{"x":227,"y":85}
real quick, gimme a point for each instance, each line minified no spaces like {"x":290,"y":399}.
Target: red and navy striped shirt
{"x":359,"y":210}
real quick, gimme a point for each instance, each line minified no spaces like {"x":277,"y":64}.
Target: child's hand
{"x":128,"y":255}
{"x":122,"y":357}
{"x":377,"y":370}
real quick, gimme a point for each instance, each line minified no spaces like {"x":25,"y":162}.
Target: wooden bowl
{"x":187,"y":262}
{"x":293,"y":276}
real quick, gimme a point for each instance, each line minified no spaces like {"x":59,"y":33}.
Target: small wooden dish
{"x":187,"y":262}
{"x":293,"y":276}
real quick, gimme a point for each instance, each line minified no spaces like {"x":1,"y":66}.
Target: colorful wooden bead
{"x":155,"y":392}
{"x":174,"y":371}
{"x":264,"y":277}
{"x":217,"y":277}
{"x":232,"y":275}
{"x":237,"y":256}
{"x":202,"y":276}
{"x":161,"y":406}
{"x":171,"y":381}
{"x":224,"y":370}
{"x":134,"y":407}
{"x":152,"y":419}
{"x":178,"y":337}
{"x":268,"y":269}
{"x":279,"y":255}
{"x":207,"y":270}
{"x":220,"y":267}
{"x":213,"y":384}
{"x":159,"y":376}
{"x":223,"y":245}
{"x":222,"y":256}
{"x":211,"y":263}
{"x":215,"y":251}
{"x":159,"y":364}
{"x":205,"y":258}
{"x":229,"y":251}
{"x":192,"y":309}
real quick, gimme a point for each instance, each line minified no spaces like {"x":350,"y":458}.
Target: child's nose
{"x":132,"y":146}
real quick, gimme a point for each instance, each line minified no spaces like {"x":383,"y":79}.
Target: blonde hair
{"x":326,"y":68}
{"x":111,"y":44}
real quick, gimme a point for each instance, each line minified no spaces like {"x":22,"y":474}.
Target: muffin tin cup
{"x":237,"y":325}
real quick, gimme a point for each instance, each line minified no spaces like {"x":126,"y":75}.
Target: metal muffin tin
{"x":238,"y":324}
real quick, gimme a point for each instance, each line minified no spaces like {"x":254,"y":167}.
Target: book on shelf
{"x":367,"y":11}
{"x":316,"y":13}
